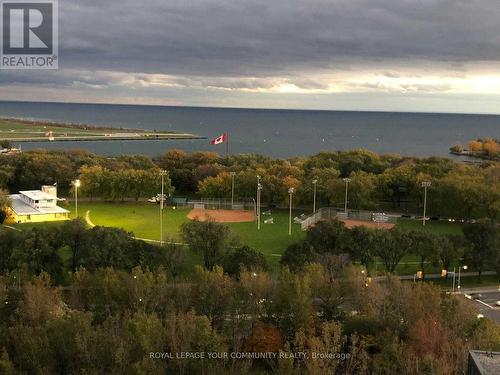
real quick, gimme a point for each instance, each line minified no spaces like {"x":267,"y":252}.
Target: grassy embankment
{"x":22,"y":131}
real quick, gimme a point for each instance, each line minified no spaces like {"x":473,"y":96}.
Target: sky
{"x":382,"y":55}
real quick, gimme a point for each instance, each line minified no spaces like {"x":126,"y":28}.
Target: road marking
{"x":484,"y":303}
{"x":16,"y":229}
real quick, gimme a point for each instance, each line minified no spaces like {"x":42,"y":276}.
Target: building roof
{"x":36,"y":194}
{"x":22,"y":208}
{"x":486,"y":362}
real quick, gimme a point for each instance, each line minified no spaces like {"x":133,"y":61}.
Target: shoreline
{"x":22,"y":130}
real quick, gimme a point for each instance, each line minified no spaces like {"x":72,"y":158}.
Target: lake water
{"x":278,"y":133}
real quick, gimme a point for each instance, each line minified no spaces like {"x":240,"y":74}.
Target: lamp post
{"x":76,"y":184}
{"x":163,"y":173}
{"x":290,"y":191}
{"x":425,"y":185}
{"x":465,"y":269}
{"x":453,"y":289}
{"x":259,"y":189}
{"x":346,"y":181}
{"x":233,"y":174}
{"x":315,"y":181}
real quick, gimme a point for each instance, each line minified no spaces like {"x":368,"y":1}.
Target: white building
{"x":35,"y":206}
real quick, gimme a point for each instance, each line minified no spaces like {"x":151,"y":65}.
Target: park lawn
{"x":143,"y":220}
{"x":12,"y":127}
{"x":431,"y":226}
{"x":272,"y":239}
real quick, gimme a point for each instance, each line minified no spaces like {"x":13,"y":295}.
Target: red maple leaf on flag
{"x":220,"y":139}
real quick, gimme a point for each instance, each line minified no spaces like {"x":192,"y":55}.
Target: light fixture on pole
{"x":259,"y":188}
{"x":163,"y":173}
{"x":460,"y":268}
{"x":346,"y":181}
{"x":76,"y":184}
{"x":315,"y":182}
{"x":425,"y":185}
{"x":290,"y":192}
{"x":233,"y":174}
{"x":259,"y":192}
{"x":454,"y":275}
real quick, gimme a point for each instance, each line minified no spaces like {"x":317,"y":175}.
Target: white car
{"x":497,"y":303}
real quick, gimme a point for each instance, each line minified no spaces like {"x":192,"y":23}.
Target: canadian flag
{"x":219,"y":140}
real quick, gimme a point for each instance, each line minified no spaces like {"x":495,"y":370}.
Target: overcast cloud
{"x":337,"y":54}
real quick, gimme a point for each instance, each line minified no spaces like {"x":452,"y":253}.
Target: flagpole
{"x":227,"y":144}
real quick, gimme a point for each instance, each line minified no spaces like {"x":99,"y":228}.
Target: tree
{"x":216,"y":187}
{"x":324,"y":235}
{"x":108,"y":247}
{"x":208,"y":237}
{"x":450,"y":249}
{"x":484,"y":239}
{"x":358,"y":242}
{"x":297,"y":255}
{"x":424,"y":245}
{"x":456,"y":148}
{"x":264,"y":338}
{"x":475,"y":146}
{"x":5,"y":143}
{"x":74,"y":234}
{"x":391,"y":246}
{"x":244,"y":258}
{"x":212,"y":294}
{"x":5,"y":202}
{"x":38,"y":252}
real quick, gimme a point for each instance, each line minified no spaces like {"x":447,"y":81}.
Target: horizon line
{"x":256,"y":108}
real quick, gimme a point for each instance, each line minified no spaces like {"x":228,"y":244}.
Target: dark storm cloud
{"x":267,"y":38}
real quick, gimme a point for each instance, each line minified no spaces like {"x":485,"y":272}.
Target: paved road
{"x":486,"y":305}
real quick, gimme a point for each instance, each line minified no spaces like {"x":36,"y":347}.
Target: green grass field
{"x":431,"y":226}
{"x":143,"y":220}
{"x":10,"y":128}
{"x":20,"y":130}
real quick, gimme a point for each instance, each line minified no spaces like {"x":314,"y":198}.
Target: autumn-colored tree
{"x":475,"y":146}
{"x":264,"y":338}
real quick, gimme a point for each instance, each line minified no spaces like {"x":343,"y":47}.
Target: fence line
{"x":222,"y":204}
{"x":326,"y":213}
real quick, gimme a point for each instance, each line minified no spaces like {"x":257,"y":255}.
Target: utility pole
{"x":290,"y":191}
{"x":76,"y":184}
{"x":465,"y":269}
{"x":425,"y":185}
{"x":163,"y":173}
{"x":259,"y":189}
{"x":346,"y":181}
{"x":315,"y":181}
{"x":233,"y":174}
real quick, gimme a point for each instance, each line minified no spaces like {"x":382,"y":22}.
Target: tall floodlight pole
{"x":233,"y":174}
{"x":315,"y":182}
{"x":425,"y":185}
{"x":259,"y":193}
{"x":346,"y":181}
{"x":453,"y":290}
{"x":259,"y":188}
{"x":290,"y":191}
{"x":76,"y":184}
{"x":163,"y":173}
{"x":465,"y":269}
